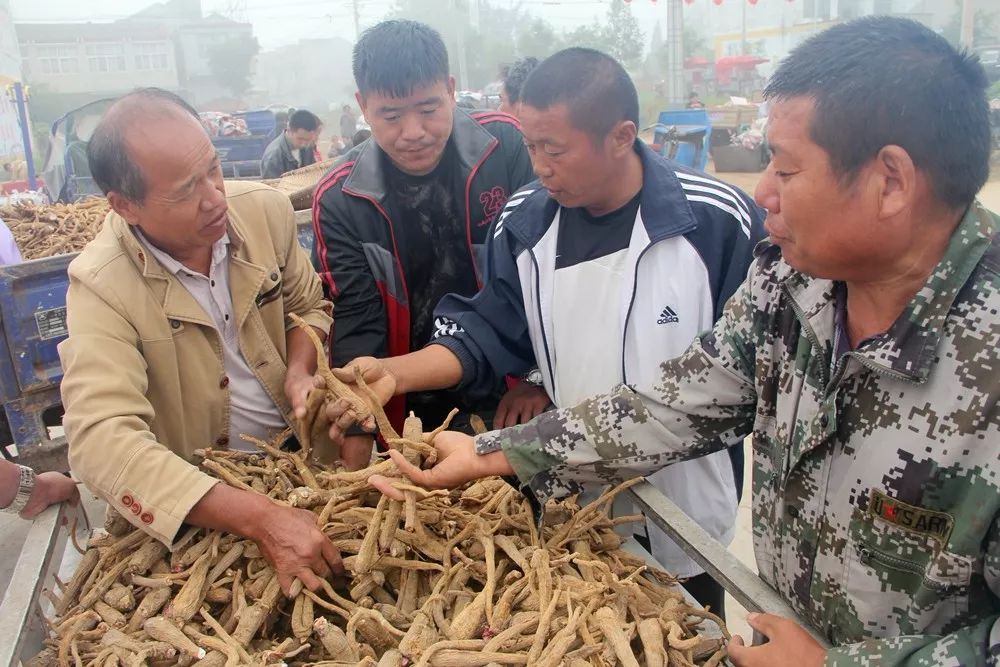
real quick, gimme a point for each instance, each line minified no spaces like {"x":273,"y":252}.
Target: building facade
{"x":167,"y":45}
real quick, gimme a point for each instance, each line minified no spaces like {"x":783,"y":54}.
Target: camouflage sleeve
{"x":976,"y":644}
{"x":703,"y":402}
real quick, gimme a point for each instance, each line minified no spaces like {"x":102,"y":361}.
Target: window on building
{"x":58,"y":59}
{"x":816,"y":9}
{"x":207,"y":44}
{"x":106,"y":57}
{"x":151,"y":55}
{"x":882,"y":7}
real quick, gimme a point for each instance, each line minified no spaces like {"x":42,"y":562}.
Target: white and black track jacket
{"x":691,"y":247}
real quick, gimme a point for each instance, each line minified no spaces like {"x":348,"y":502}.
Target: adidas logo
{"x":668,"y":316}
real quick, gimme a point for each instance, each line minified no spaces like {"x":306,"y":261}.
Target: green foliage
{"x":507,"y":33}
{"x":985,"y":26}
{"x":231,"y":63}
{"x":622,"y":34}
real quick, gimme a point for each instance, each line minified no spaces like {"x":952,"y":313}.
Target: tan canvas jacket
{"x":144,"y":383}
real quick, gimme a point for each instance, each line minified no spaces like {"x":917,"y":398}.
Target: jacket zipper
{"x":631,"y":303}
{"x":868,"y":555}
{"x":541,"y":320}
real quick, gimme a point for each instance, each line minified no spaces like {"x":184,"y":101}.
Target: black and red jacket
{"x":355,"y":252}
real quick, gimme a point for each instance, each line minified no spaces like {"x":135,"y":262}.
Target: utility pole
{"x":966,"y":36}
{"x":675,"y":53}
{"x":743,"y":41}
{"x":20,"y":104}
{"x":357,"y":19}
{"x":463,"y":63}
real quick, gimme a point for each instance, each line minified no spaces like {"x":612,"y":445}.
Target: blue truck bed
{"x":32,"y":324}
{"x":240,"y":156}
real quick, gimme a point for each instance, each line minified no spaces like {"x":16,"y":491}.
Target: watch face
{"x":534,"y":377}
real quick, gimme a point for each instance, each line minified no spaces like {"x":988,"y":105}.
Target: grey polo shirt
{"x":251,"y":409}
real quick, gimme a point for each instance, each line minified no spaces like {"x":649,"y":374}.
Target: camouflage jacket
{"x":876,"y":479}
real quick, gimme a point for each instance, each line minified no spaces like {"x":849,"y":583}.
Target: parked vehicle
{"x":241,"y":155}
{"x":66,"y":172}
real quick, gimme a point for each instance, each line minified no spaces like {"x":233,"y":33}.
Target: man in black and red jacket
{"x":403,"y":219}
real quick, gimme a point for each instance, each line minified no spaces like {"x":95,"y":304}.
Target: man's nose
{"x":766,"y":192}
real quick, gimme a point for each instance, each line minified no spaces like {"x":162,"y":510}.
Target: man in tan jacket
{"x":179,"y":337}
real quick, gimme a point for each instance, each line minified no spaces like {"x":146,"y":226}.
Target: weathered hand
{"x":356,"y":451}
{"x":788,"y":645}
{"x":50,"y":488}
{"x":520,"y":405}
{"x":457,"y":464}
{"x":290,"y":541}
{"x":297,"y":388}
{"x":379,"y":380}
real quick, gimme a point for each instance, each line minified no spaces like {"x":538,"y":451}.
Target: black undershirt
{"x":584,"y":237}
{"x":431,"y":239}
{"x":433,"y":246}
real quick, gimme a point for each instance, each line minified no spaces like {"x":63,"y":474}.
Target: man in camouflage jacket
{"x":861,"y":354}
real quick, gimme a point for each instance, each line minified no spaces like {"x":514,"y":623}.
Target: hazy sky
{"x":278,"y":22}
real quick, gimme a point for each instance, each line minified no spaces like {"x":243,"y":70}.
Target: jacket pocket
{"x":900,"y":583}
{"x":268,"y":295}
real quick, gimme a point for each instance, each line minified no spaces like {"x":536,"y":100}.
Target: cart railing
{"x":740,"y":581}
{"x":22,"y":627}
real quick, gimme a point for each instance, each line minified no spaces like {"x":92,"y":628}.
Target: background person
{"x":294,"y":148}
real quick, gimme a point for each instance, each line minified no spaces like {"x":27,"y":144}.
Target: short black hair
{"x":394,"y":57}
{"x":111,"y":166}
{"x":881,"y":81}
{"x":360,"y":136}
{"x":514,"y":75}
{"x":304,"y":120}
{"x":593,"y":85}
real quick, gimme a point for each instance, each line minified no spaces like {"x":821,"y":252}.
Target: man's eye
{"x":391,"y":119}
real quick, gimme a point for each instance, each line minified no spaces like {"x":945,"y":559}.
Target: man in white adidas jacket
{"x":603,"y":269}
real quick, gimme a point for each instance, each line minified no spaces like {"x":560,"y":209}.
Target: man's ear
{"x":127,"y":209}
{"x":897,"y":179}
{"x":361,"y":103}
{"x":622,"y":137}
{"x":451,"y":87}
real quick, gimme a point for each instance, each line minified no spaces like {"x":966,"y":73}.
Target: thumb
{"x":737,"y":651}
{"x":384,"y":485}
{"x":765,"y":624}
{"x":345,"y":375}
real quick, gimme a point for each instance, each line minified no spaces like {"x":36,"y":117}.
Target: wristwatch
{"x":24,"y":488}
{"x":533,"y":377}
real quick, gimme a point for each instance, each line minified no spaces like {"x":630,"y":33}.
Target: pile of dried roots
{"x":47,"y":230}
{"x":442,"y":578}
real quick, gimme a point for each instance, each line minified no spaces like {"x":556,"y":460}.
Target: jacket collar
{"x":176,"y":299}
{"x":367,"y":178}
{"x":663,"y":206}
{"x":908,"y":348}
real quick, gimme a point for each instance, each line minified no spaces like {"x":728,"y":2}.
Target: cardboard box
{"x":737,"y":158}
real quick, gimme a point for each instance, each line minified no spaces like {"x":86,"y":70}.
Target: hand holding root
{"x":328,"y":388}
{"x":457,"y":463}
